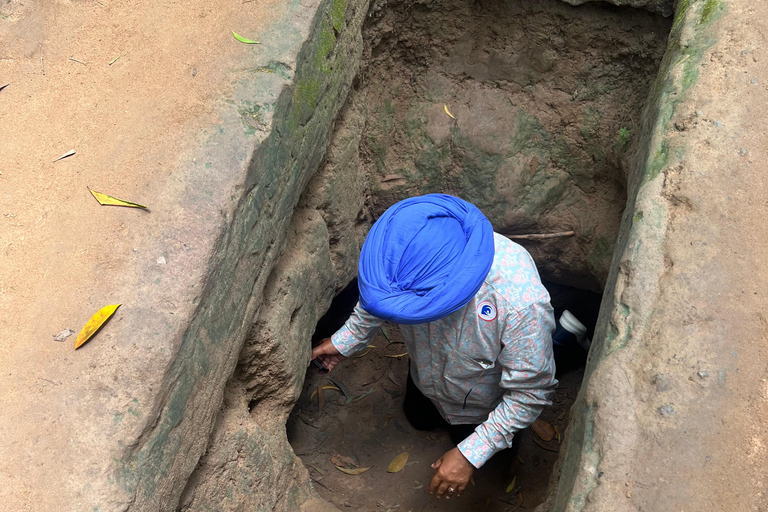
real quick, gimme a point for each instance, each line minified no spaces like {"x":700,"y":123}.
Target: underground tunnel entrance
{"x":530,"y":111}
{"x":359,"y":423}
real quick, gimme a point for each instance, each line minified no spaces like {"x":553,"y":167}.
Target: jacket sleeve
{"x":357,"y":332}
{"x":528,"y":375}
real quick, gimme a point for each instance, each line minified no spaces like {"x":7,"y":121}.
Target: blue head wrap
{"x":425,"y":258}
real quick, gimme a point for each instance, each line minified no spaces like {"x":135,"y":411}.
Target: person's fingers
{"x":325,"y":347}
{"x":437,"y":463}
{"x":443,"y":489}
{"x":435,"y":483}
{"x":460,"y":490}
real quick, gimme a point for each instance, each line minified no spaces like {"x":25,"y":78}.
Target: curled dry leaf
{"x":396,"y":355}
{"x":352,"y":471}
{"x":106,"y":200}
{"x":557,"y":433}
{"x":543,"y":429}
{"x":341,"y":386}
{"x":95,"y":323}
{"x":511,"y":485}
{"x":65,"y":155}
{"x":63,"y":335}
{"x":341,"y":460}
{"x":398,"y":463}
{"x":445,"y":107}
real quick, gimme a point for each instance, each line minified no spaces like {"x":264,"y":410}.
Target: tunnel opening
{"x":353,"y":417}
{"x":530,"y":111}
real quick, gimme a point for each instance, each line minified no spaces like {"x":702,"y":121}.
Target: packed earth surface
{"x":623,"y":144}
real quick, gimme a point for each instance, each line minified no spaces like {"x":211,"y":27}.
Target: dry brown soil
{"x":372,"y":429}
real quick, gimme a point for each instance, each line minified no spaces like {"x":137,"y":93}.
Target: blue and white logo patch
{"x":486,"y":311}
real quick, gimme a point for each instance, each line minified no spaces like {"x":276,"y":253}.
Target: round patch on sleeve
{"x":486,"y":311}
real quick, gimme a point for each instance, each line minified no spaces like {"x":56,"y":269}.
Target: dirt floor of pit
{"x":369,"y":427}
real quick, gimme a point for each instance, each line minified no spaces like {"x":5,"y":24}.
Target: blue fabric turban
{"x":425,"y":258}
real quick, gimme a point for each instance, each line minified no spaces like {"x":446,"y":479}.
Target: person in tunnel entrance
{"x":475,"y":319}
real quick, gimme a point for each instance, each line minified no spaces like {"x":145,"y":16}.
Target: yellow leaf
{"x":93,"y":325}
{"x":341,"y":460}
{"x":445,"y":107}
{"x":352,"y":471}
{"x":106,"y":200}
{"x":313,"y":395}
{"x":557,"y":432}
{"x":543,"y":429}
{"x":519,"y":458}
{"x":398,"y":463}
{"x":511,"y":485}
{"x":397,"y":355}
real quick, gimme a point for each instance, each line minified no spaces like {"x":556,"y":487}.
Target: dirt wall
{"x":545,"y":100}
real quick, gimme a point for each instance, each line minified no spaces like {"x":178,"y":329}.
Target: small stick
{"x":75,"y":60}
{"x":541,"y":236}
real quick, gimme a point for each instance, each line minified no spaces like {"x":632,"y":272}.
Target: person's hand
{"x":453,"y":474}
{"x":327,"y":354}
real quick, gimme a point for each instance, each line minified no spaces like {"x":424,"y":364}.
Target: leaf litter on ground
{"x":344,"y":461}
{"x":105,"y":200}
{"x":352,"y":471}
{"x":244,"y":39}
{"x":341,"y":386}
{"x":4,"y":86}
{"x":65,"y":155}
{"x":398,"y":463}
{"x":511,"y":485}
{"x":63,"y":335}
{"x":543,"y":429}
{"x":94,"y":324}
{"x":396,"y":355}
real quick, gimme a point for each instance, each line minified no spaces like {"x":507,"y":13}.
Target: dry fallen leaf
{"x":398,"y":463}
{"x":4,"y":86}
{"x":445,"y":107}
{"x":352,"y":471}
{"x":385,"y":332}
{"x":562,"y":415}
{"x":369,"y":347}
{"x":63,"y":335}
{"x":511,"y":485}
{"x":396,"y":355}
{"x":341,"y":460}
{"x":557,"y":432}
{"x":543,"y":429}
{"x":106,"y":200}
{"x":520,"y":459}
{"x":331,"y":387}
{"x":65,"y":155}
{"x":95,"y":323}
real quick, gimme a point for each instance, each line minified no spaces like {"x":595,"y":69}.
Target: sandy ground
{"x":372,"y":429}
{"x":133,"y":122}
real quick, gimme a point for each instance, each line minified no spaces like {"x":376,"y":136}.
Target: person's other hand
{"x":327,"y":354}
{"x":453,"y":474}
